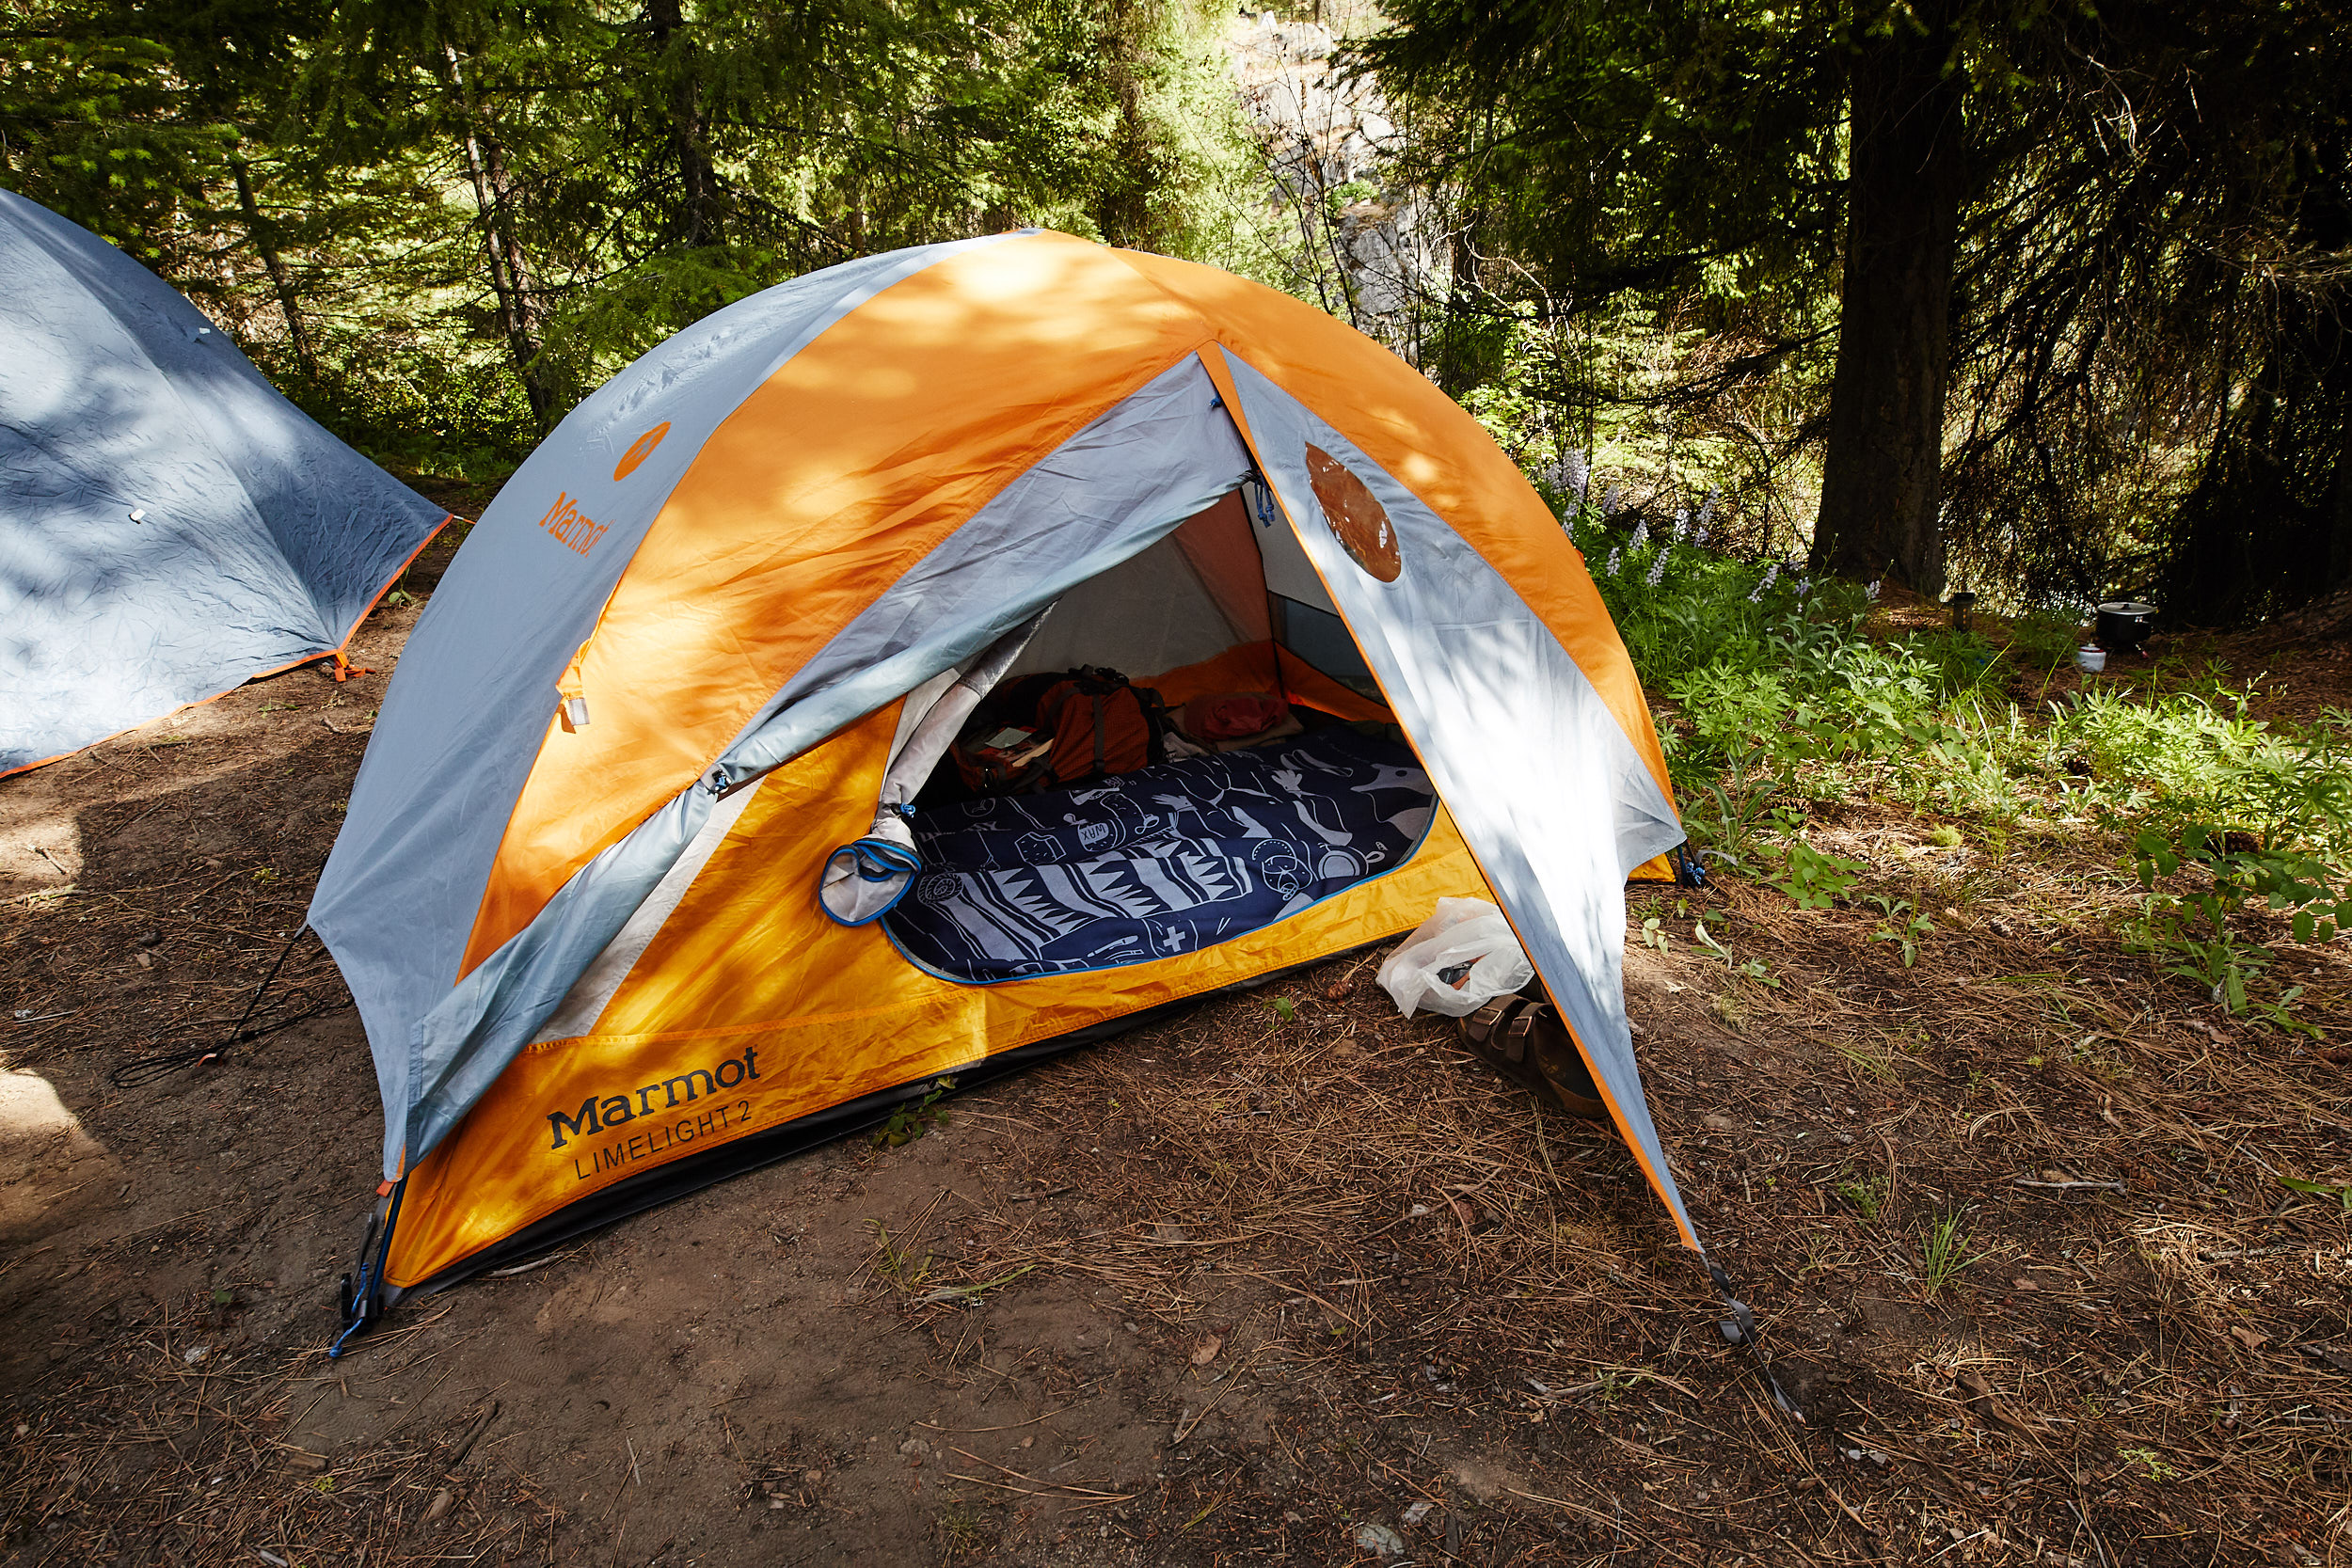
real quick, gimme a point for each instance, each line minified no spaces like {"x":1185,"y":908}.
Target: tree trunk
{"x":701,"y":218}
{"x":2339,"y":504}
{"x":1455,"y":370}
{"x":258,"y":230}
{"x":2327,"y":224}
{"x":510,"y":275}
{"x":1122,"y":208}
{"x":1882,"y":481}
{"x":2269,"y":525}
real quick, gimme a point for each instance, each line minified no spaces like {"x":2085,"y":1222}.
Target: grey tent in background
{"x":170,"y":525}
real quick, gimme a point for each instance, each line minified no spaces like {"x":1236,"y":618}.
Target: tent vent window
{"x":1323,"y":639}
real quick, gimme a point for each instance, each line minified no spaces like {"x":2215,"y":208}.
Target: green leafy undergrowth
{"x":2195,"y":929}
{"x":1945,"y":1251}
{"x":910,"y":1121}
{"x":1778,"y":695}
{"x":1902,"y":924}
{"x":1814,"y":880}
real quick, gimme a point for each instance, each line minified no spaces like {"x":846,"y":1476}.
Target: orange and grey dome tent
{"x":592,"y":897}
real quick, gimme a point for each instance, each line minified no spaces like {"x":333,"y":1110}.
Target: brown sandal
{"x":1486,"y":1033}
{"x":1537,"y":1034}
{"x":1527,"y":1042}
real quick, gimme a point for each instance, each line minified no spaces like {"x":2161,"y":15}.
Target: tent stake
{"x":1739,"y":1328}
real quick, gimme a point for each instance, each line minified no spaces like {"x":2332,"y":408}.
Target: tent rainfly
{"x":727,"y":618}
{"x":171,"y":527}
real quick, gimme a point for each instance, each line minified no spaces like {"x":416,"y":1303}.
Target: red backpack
{"x":1050,"y":731}
{"x":1101,"y":725}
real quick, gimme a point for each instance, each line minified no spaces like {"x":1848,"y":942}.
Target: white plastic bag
{"x":1464,"y":931}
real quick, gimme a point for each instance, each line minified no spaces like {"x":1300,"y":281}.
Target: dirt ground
{"x":1287,"y":1279}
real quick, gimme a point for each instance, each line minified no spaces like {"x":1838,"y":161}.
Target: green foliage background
{"x":438,"y":225}
{"x":2150,"y":391}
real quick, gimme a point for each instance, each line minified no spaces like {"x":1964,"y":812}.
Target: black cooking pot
{"x":2123,"y":625}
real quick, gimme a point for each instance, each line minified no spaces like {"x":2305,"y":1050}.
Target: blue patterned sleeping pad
{"x":1163,"y":859}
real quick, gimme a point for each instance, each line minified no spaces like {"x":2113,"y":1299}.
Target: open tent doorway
{"x":1214,"y":838}
{"x":640,"y":801}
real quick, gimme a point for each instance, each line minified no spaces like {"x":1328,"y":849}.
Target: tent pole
{"x":363,"y":1302}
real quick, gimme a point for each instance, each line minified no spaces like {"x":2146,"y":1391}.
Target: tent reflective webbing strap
{"x":362,"y":1299}
{"x":1260,"y":500}
{"x":1739,"y":1328}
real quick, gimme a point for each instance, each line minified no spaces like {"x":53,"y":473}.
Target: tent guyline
{"x":153,"y":1069}
{"x":930,"y":665}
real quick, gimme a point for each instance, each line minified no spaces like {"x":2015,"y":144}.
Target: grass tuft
{"x":1945,"y":1251}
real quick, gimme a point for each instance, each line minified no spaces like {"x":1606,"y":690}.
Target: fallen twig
{"x":1055,"y":1485}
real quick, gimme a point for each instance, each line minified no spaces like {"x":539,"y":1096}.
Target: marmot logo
{"x":639,"y":451}
{"x":1354,"y":515}
{"x":568,"y":522}
{"x":597,"y":1116}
